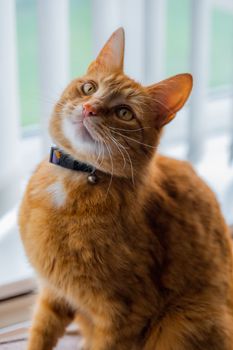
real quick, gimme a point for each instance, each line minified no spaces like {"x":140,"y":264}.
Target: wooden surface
{"x":69,"y":342}
{"x":16,"y":310}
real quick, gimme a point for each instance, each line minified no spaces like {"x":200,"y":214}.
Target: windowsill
{"x":16,"y":336}
{"x":15,"y":333}
{"x":16,"y":274}
{"x":17,"y":288}
{"x":14,"y":311}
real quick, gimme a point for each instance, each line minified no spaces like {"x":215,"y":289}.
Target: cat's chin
{"x":83,"y":132}
{"x":89,"y":133}
{"x":79,"y":136}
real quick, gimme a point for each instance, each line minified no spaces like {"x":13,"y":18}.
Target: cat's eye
{"x":89,"y":88}
{"x":124,"y":113}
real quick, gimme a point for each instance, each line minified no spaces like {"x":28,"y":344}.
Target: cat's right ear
{"x":169,"y":96}
{"x":111,"y":57}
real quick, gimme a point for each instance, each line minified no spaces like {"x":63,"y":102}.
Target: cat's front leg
{"x":86,"y":329}
{"x":50,"y":320}
{"x":124,"y":337}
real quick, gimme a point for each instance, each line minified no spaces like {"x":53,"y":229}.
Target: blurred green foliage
{"x":178,"y":47}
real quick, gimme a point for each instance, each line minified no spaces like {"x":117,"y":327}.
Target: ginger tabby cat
{"x":136,"y":252}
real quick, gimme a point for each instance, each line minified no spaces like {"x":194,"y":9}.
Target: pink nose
{"x":89,"y":110}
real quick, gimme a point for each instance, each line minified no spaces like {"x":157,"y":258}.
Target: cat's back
{"x":183,"y":199}
{"x":184,"y":190}
{"x":184,"y":214}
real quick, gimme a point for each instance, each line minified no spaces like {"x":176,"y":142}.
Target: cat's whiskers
{"x":102,"y":154}
{"x":68,"y":105}
{"x":99,"y":144}
{"x":130,"y":161}
{"x":127,"y":153}
{"x":48,"y":100}
{"x":131,"y":166}
{"x":101,"y":135}
{"x":119,"y":146}
{"x":130,"y":130}
{"x":110,"y":155}
{"x":116,"y":143}
{"x":101,"y":151}
{"x":130,"y":138}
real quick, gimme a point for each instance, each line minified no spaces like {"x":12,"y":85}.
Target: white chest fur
{"x":57,"y":194}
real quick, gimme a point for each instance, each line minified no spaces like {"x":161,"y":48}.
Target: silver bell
{"x":92,"y":178}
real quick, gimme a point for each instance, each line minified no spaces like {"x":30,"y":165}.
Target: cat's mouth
{"x":91,"y":129}
{"x":84,"y":130}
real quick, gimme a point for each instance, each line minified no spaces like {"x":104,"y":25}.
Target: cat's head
{"x":110,"y":121}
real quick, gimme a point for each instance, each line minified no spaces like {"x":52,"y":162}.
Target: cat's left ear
{"x":111,"y":57}
{"x":169,"y":96}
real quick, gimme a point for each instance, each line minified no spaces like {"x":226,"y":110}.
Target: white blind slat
{"x":53,"y":27}
{"x":132,"y":18}
{"x":155,"y":40}
{"x":226,"y":5}
{"x":105,"y":20}
{"x":9,"y":108}
{"x":201,"y":12}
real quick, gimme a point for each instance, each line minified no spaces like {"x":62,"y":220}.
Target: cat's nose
{"x":89,"y":110}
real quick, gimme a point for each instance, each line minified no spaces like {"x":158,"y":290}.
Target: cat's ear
{"x":169,"y":96}
{"x":111,"y":57}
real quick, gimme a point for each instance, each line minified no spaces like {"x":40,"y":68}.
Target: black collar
{"x":58,"y":157}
